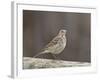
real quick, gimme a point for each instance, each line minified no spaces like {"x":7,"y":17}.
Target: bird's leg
{"x":54,"y":57}
{"x":58,"y":58}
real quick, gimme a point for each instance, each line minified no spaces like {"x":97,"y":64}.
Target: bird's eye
{"x":62,"y":31}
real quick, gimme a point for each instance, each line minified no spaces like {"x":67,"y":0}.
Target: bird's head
{"x":62,"y":32}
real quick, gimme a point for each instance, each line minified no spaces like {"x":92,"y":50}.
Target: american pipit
{"x":56,"y":45}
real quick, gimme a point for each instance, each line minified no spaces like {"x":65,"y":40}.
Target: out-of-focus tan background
{"x":39,"y":27}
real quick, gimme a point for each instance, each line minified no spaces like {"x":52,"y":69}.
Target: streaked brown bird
{"x":56,"y":45}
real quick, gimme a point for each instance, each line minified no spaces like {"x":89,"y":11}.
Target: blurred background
{"x":40,"y":27}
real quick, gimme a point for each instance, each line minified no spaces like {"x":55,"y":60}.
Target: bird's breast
{"x":63,"y":41}
{"x":60,"y":46}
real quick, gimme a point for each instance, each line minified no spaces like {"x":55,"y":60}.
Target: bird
{"x":56,"y":45}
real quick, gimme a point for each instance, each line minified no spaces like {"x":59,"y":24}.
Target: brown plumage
{"x":56,"y":45}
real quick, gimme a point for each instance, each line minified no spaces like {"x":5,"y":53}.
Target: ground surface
{"x":36,"y":63}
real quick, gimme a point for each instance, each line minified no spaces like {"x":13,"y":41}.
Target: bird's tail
{"x":40,"y":53}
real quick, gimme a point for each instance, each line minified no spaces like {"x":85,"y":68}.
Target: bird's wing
{"x":53,"y":43}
